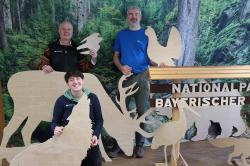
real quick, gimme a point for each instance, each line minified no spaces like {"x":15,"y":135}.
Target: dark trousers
{"x":93,"y":157}
{"x":141,"y":99}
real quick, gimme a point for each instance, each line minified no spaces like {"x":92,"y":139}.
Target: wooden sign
{"x":180,"y":73}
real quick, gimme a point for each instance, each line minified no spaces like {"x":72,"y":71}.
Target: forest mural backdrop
{"x":214,"y":32}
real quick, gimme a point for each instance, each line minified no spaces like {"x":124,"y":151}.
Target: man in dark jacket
{"x":62,"y":54}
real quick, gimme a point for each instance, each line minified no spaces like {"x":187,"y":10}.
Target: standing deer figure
{"x":34,"y":94}
{"x":177,"y":128}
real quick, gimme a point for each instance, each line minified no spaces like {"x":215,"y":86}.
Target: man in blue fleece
{"x":64,"y":106}
{"x":130,"y":57}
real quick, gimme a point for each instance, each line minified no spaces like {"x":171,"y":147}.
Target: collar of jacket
{"x":69,"y":95}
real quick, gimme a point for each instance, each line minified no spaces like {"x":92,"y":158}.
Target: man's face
{"x":66,"y":31}
{"x":75,"y":84}
{"x":134,"y":17}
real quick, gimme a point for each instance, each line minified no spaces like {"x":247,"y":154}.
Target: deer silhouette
{"x":34,"y":94}
{"x":69,"y":148}
{"x":176,"y":130}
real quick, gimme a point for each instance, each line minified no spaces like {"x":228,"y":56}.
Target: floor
{"x":199,"y":153}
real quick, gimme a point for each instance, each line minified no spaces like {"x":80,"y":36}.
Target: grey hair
{"x":134,"y":8}
{"x":65,"y":22}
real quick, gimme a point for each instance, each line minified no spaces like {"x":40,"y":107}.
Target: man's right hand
{"x":58,"y":130}
{"x":47,"y":69}
{"x":126,"y":70}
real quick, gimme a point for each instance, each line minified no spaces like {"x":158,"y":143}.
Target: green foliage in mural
{"x":222,"y":36}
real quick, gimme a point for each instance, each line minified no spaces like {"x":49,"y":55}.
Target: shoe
{"x":114,"y":153}
{"x":139,"y":152}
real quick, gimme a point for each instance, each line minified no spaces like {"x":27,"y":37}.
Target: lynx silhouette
{"x":241,"y":148}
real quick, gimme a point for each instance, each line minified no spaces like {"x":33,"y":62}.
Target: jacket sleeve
{"x":45,"y":60}
{"x":98,"y":120}
{"x":57,"y":114}
{"x":85,"y":65}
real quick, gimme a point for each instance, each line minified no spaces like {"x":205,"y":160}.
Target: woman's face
{"x":75,"y":84}
{"x":66,"y":31}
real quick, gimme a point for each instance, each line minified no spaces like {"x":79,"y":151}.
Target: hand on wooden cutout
{"x":93,"y":55}
{"x":94,"y":141}
{"x":58,"y":130}
{"x":126,"y":70}
{"x":47,"y":69}
{"x":162,"y":64}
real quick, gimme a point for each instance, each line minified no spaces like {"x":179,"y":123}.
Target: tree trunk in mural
{"x":82,"y":12}
{"x":245,"y":9}
{"x":19,"y":15}
{"x":188,"y":27}
{"x":7,"y":15}
{"x":1,"y":113}
{"x":3,"y":39}
{"x":167,"y":6}
{"x":53,"y":11}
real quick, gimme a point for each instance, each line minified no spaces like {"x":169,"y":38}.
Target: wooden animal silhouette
{"x":34,"y":94}
{"x":69,"y":148}
{"x":227,"y":120}
{"x":91,"y":43}
{"x":241,"y":147}
{"x":161,"y":54}
{"x":227,"y":116}
{"x":10,"y":153}
{"x":171,"y":133}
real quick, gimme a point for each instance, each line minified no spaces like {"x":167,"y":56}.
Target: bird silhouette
{"x":160,"y":54}
{"x":172,"y":132}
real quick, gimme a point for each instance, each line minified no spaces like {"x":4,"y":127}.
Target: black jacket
{"x":64,"y":58}
{"x":64,"y":106}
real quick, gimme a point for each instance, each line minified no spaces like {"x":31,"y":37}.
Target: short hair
{"x":134,"y":8}
{"x":69,"y":74}
{"x":65,"y":22}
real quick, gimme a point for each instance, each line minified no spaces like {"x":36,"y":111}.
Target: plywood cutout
{"x":91,"y":43}
{"x":161,"y":54}
{"x":241,"y":148}
{"x":162,"y":136}
{"x":239,"y":162}
{"x":41,"y":91}
{"x":227,"y":116}
{"x":10,"y":153}
{"x":69,"y":148}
